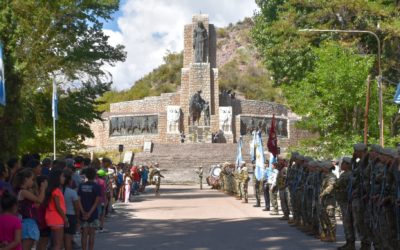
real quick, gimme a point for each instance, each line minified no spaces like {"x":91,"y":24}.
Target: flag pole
{"x":54,"y":115}
{"x":54,"y":138}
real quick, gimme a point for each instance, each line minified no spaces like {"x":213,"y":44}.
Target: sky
{"x":150,"y":28}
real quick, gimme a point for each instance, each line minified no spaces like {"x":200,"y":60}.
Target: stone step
{"x":179,"y":162}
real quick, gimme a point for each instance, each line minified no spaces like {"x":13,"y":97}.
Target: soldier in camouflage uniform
{"x":238,"y":183}
{"x":283,"y":190}
{"x":310,"y":193}
{"x":257,"y":188}
{"x":358,"y":190}
{"x":290,"y":183}
{"x":245,"y":183}
{"x":328,"y":203}
{"x":386,"y":214}
{"x":296,"y":190}
{"x":342,"y":199}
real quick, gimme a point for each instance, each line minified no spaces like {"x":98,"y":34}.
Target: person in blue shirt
{"x":267,"y":173}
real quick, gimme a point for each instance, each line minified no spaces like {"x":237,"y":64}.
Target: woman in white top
{"x":127,"y":183}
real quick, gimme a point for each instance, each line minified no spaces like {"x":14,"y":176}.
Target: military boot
{"x":348,"y":246}
{"x":246,"y":200}
{"x":365,"y":246}
{"x":257,"y":204}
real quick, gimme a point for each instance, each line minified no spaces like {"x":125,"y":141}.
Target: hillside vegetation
{"x":239,"y":63}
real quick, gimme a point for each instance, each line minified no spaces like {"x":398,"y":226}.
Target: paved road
{"x":184,"y":217}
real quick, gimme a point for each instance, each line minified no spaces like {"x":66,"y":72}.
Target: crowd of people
{"x":365,"y":192}
{"x":62,"y":204}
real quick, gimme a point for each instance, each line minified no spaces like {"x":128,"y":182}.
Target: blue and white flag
{"x":54,"y":106}
{"x":239,"y":157}
{"x":253,"y":147}
{"x":2,"y":79}
{"x":397,"y":95}
{"x":260,"y":158}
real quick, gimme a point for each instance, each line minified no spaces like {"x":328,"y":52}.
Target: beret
{"x":360,"y":147}
{"x":347,"y":160}
{"x":376,"y":148}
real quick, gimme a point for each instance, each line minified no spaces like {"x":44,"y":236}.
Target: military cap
{"x":313,"y":164}
{"x":308,"y":158}
{"x":360,"y":147}
{"x":376,"y":148}
{"x":390,"y":152}
{"x":326,"y":164}
{"x":295,"y":154}
{"x":347,"y":160}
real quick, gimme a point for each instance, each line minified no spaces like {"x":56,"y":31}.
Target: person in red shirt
{"x":136,"y":179}
{"x":56,"y":217}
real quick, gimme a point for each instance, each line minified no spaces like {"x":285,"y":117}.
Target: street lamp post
{"x":381,"y":140}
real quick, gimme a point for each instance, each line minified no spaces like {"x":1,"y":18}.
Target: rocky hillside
{"x":240,"y":69}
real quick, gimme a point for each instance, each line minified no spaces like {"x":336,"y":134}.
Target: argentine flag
{"x":260,"y":158}
{"x":239,"y":157}
{"x":2,"y":80}
{"x":54,"y":106}
{"x":253,"y":147}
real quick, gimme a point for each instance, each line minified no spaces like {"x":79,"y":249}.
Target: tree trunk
{"x":10,"y":119}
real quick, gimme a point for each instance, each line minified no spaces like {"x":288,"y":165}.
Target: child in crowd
{"x":128,"y":184}
{"x":23,"y":183}
{"x":10,"y":226}
{"x":4,"y":175}
{"x":100,"y":180}
{"x":56,"y":217}
{"x":89,"y":197}
{"x":72,"y":204}
{"x":44,"y":230}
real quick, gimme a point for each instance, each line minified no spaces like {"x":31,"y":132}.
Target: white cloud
{"x":148,"y":28}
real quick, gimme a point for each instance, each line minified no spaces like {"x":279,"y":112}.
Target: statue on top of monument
{"x":200,"y":43}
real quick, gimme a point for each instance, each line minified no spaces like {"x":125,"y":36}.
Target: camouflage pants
{"x":348,"y":221}
{"x":284,"y":197}
{"x":387,"y":228}
{"x":273,"y":196}
{"x":309,"y":208}
{"x":257,"y":191}
{"x":239,"y":189}
{"x":327,"y":217}
{"x":245,"y":186}
{"x":289,"y":199}
{"x":361,"y":222}
{"x":297,"y":205}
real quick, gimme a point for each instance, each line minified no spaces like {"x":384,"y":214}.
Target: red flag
{"x":272,"y":140}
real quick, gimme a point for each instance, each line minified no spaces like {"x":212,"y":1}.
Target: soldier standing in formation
{"x":328,"y":203}
{"x":257,"y":188}
{"x":367,"y":192}
{"x":342,"y":199}
{"x":282,"y":189}
{"x":200,"y":174}
{"x":245,"y":182}
{"x":273,"y":189}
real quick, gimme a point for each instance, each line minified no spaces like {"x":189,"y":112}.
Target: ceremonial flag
{"x":397,"y":95}
{"x":54,"y":106}
{"x":2,"y":79}
{"x":260,"y":158}
{"x":239,"y":157}
{"x":272,"y":140}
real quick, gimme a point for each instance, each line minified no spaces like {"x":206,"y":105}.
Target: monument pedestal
{"x":200,"y":134}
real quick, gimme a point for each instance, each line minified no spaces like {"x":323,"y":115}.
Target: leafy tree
{"x":332,"y":99}
{"x":47,"y":38}
{"x":291,"y":56}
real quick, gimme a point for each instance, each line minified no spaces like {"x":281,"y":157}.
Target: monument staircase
{"x":178,"y":162}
